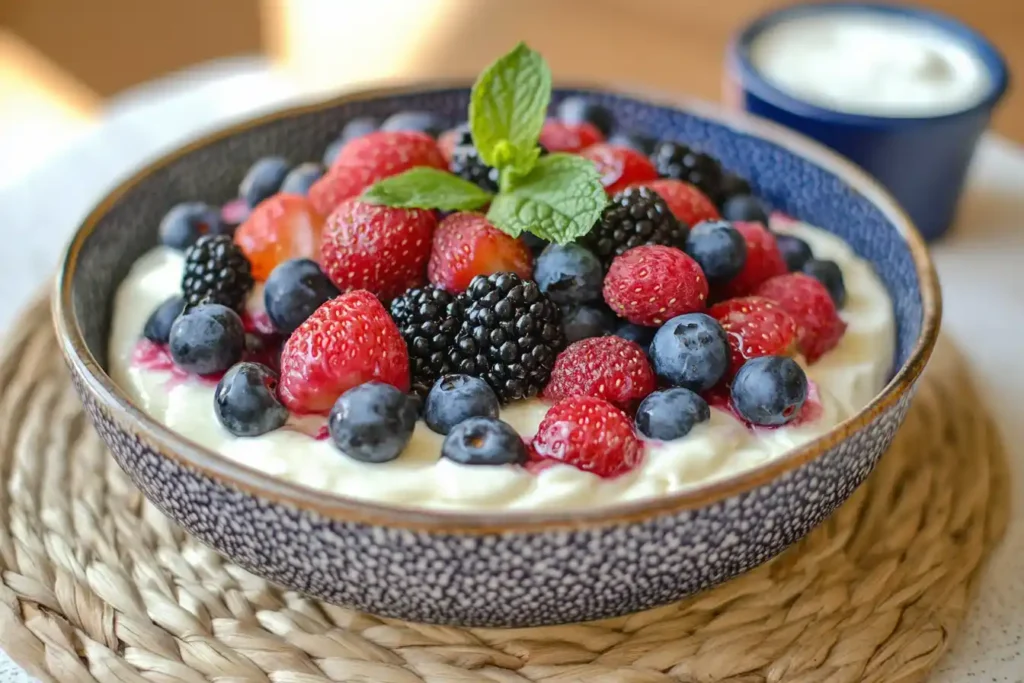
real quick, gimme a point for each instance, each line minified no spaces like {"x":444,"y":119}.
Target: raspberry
{"x":466,"y":245}
{"x":217,"y":272}
{"x":818,"y":325}
{"x":280,"y":228}
{"x":651,"y":284}
{"x":755,"y":327}
{"x":688,"y":204}
{"x":591,"y":435}
{"x":620,"y":166}
{"x":348,"y":341}
{"x":381,"y":249}
{"x":557,"y":136}
{"x":604,"y":367}
{"x":634,"y":217}
{"x":764,"y":260}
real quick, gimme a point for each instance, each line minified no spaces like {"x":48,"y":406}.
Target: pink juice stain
{"x":149,"y":355}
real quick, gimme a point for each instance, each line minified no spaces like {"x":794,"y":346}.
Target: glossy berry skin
{"x":372,"y":422}
{"x":207,"y":339}
{"x":582,"y":110}
{"x":732,"y":185}
{"x":429,"y":320}
{"x":355,"y":128}
{"x":282,"y":228}
{"x":301,"y":178}
{"x":769,"y":391}
{"x":569,"y":274}
{"x":640,"y":335}
{"x":467,"y":245}
{"x":795,"y":252}
{"x":691,"y":351}
{"x":245,"y":400}
{"x":558,"y":136}
{"x":829,"y":274}
{"x":293,"y":291}
{"x":634,"y":217}
{"x":686,"y":202}
{"x":719,"y":248}
{"x":418,"y":121}
{"x":619,"y":167}
{"x":464,"y":159}
{"x":591,"y":435}
{"x":331,"y":152}
{"x":651,"y":284}
{"x":680,"y":162}
{"x":158,"y":325}
{"x":671,"y":414}
{"x":764,"y":260}
{"x":216,"y":271}
{"x":586,"y":321}
{"x":637,"y":141}
{"x":484,"y":441}
{"x":187,"y":222}
{"x":745,"y":207}
{"x":263,"y":179}
{"x":756,"y":327}
{"x":807,"y":301}
{"x":456,"y":398}
{"x":608,"y":367}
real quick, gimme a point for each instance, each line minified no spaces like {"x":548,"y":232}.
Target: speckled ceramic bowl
{"x":493,"y":568}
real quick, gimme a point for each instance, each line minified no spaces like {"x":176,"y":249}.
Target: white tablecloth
{"x":981,"y":265}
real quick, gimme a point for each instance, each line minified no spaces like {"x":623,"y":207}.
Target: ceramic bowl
{"x":495,"y":568}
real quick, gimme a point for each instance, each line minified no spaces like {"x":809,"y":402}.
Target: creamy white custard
{"x":848,"y":377}
{"x":864,"y":62}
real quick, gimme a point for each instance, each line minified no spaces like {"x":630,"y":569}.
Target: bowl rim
{"x":471,"y":521}
{"x":738,"y":58}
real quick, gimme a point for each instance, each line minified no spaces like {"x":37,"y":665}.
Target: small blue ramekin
{"x":921,"y":161}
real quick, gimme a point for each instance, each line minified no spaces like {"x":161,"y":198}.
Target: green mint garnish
{"x":427,"y":188}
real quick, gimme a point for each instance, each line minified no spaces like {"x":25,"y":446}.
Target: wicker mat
{"x":99,"y":586}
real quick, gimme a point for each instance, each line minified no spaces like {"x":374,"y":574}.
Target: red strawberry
{"x":466,"y":245}
{"x":348,"y":341}
{"x":755,"y":327}
{"x":650,"y":284}
{"x":818,"y":325}
{"x":620,"y":166}
{"x":611,"y":368}
{"x":590,"y":434}
{"x":556,"y":136}
{"x":686,"y":202}
{"x":764,"y":260}
{"x":812,"y":409}
{"x":339,"y":184}
{"x":389,"y":152}
{"x":447,"y":142}
{"x":281,"y":227}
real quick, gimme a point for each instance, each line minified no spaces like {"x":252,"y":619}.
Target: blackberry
{"x":676,"y":160}
{"x":429,"y":320}
{"x":634,"y":217}
{"x":216,"y":271}
{"x":467,"y":164}
{"x":510,"y":335}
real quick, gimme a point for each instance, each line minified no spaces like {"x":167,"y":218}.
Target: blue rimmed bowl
{"x":494,"y":568}
{"x":921,"y":160}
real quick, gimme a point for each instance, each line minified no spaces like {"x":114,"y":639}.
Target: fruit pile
{"x":436,"y":273}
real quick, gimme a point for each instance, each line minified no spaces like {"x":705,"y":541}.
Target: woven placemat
{"x":99,"y":586}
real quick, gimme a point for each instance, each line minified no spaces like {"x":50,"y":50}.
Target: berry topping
{"x":606,"y":367}
{"x":769,"y":391}
{"x":216,"y":271}
{"x":591,"y":435}
{"x":484,"y":441}
{"x":677,"y":161}
{"x":763,"y":261}
{"x":391,"y":152}
{"x":638,"y":334}
{"x":637,"y":141}
{"x":576,"y":110}
{"x":429,"y":320}
{"x":819,"y":327}
{"x":346,"y":342}
{"x":466,"y":245}
{"x":619,"y":167}
{"x":301,"y":178}
{"x":730,"y":186}
{"x":671,"y":414}
{"x":372,"y":422}
{"x":456,"y":398}
{"x":418,"y":121}
{"x":263,"y":179}
{"x":233,"y":213}
{"x":719,"y":248}
{"x":648,"y":285}
{"x":245,"y":400}
{"x":691,"y":351}
{"x":355,"y":128}
{"x":282,"y":228}
{"x":293,"y":291}
{"x":795,"y":252}
{"x":535,"y":244}
{"x":586,"y":321}
{"x":756,"y":327}
{"x":634,"y":217}
{"x":569,"y":274}
{"x":338,"y":184}
{"x":158,"y":325}
{"x":558,"y":136}
{"x":829,"y":274}
{"x":187,"y":222}
{"x":510,"y":336}
{"x":331,"y":152}
{"x":465,"y":162}
{"x":685,"y":201}
{"x":207,"y":339}
{"x":745,"y":207}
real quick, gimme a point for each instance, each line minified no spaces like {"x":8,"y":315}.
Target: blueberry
{"x":245,"y":400}
{"x":158,"y":326}
{"x":829,"y":274}
{"x":637,"y":333}
{"x":420,"y":121}
{"x":580,"y":110}
{"x":586,"y":321}
{"x":302,"y":177}
{"x":795,"y":252}
{"x":206,"y":339}
{"x":456,"y":398}
{"x":331,"y":152}
{"x":535,"y":244}
{"x":769,"y":390}
{"x":745,"y":207}
{"x":358,"y":127}
{"x":185,"y":223}
{"x":372,"y":422}
{"x":569,"y":274}
{"x":732,"y":185}
{"x":293,"y":291}
{"x":671,"y":414}
{"x":719,"y":248}
{"x":484,"y":441}
{"x":691,"y":351}
{"x":263,"y":179}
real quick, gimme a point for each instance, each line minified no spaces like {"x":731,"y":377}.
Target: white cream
{"x":863,"y":62}
{"x":848,"y":377}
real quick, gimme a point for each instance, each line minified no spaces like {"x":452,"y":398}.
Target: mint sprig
{"x":427,"y":188}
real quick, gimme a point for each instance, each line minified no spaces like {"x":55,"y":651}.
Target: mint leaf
{"x":427,"y":188}
{"x":559,"y":200}
{"x":507,"y":109}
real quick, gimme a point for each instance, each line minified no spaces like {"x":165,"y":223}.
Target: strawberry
{"x":377,"y":248}
{"x":467,"y":245}
{"x":591,"y":435}
{"x":281,"y":227}
{"x":611,"y":368}
{"x":448,"y":141}
{"x":557,"y":136}
{"x":764,"y":260}
{"x":650,"y":284}
{"x":348,"y":341}
{"x":755,"y":327}
{"x":686,"y":202}
{"x":818,"y":325}
{"x":391,"y":152}
{"x":620,"y":166}
{"x":339,"y":184}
